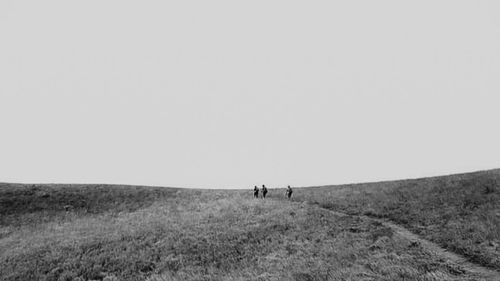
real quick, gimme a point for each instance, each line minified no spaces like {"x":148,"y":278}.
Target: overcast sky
{"x":241,"y":93}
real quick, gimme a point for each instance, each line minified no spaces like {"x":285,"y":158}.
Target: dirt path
{"x":477,"y":270}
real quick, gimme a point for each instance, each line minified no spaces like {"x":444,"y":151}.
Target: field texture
{"x":73,"y":232}
{"x":459,"y":212}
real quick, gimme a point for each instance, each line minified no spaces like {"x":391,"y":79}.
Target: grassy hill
{"x":460,"y":212}
{"x":103,"y":232}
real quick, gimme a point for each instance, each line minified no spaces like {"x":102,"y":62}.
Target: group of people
{"x":264,"y":192}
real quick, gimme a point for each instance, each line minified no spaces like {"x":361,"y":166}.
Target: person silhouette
{"x":264,"y":191}
{"x":256,"y":192}
{"x":289,"y":192}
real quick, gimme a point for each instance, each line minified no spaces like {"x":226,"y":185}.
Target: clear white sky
{"x":237,"y":93}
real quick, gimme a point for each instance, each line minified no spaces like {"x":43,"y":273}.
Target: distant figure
{"x":264,"y":191}
{"x":289,"y":192}
{"x":256,"y":192}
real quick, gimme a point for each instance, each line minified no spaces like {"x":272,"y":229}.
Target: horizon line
{"x":222,"y":188}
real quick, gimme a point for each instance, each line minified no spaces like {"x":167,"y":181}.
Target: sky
{"x":232,"y":94}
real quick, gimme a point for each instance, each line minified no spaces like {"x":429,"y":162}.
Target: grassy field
{"x":459,"y":212}
{"x":99,"y":232}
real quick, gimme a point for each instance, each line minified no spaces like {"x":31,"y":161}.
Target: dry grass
{"x":27,"y":204}
{"x":170,"y":234}
{"x":459,"y":212}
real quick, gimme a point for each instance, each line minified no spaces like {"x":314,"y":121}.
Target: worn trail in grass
{"x":456,"y":260}
{"x":461,"y":213}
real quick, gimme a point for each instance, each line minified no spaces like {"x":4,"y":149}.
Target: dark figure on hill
{"x":256,"y":192}
{"x":289,"y":192}
{"x":264,"y":191}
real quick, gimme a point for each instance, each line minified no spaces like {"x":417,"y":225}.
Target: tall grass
{"x":209,"y":235}
{"x":26,"y":204}
{"x":460,"y":212}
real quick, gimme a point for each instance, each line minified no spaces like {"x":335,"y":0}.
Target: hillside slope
{"x":102,"y":232}
{"x":460,"y":212}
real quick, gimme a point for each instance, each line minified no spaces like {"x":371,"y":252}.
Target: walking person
{"x":255,"y":192}
{"x":289,"y":192}
{"x":264,"y":191}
